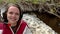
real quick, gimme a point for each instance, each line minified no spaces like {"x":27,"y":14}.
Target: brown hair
{"x":7,"y":7}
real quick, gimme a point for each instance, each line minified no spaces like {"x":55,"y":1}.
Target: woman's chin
{"x":12,"y":22}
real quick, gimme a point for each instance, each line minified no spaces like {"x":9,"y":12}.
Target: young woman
{"x":12,"y":21}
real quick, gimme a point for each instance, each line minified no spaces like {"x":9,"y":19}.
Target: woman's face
{"x":13,"y":14}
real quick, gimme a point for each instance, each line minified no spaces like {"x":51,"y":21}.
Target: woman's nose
{"x":13,"y":15}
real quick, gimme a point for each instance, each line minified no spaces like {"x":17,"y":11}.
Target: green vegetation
{"x":11,"y":1}
{"x":51,"y":4}
{"x":1,"y":1}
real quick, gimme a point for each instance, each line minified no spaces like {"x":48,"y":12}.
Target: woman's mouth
{"x":13,"y":19}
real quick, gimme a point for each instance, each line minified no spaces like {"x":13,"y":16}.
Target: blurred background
{"x":46,"y":10}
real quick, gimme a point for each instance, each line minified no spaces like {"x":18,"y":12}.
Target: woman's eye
{"x":17,"y":13}
{"x":10,"y":12}
{"x":13,"y":13}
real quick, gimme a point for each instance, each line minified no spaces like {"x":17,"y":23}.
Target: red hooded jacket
{"x":7,"y":30}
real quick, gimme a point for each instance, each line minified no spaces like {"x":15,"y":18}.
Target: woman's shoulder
{"x":1,"y":25}
{"x":23,"y":22}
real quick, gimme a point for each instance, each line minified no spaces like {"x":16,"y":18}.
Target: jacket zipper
{"x":16,"y":31}
{"x":18,"y":27}
{"x":11,"y":30}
